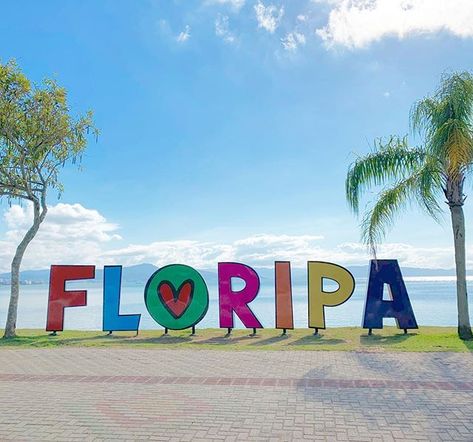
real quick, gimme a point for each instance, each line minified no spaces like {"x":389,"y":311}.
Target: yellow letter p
{"x":318,"y":298}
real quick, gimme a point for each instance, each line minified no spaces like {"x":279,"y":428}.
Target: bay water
{"x":433,"y":300}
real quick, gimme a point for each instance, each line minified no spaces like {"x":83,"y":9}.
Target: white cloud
{"x":70,"y":233}
{"x":268,"y":17}
{"x":408,"y":255}
{"x":203,"y":255}
{"x":62,"y":220}
{"x":358,"y":23}
{"x":262,"y":250}
{"x":222,"y":29}
{"x":257,"y":250}
{"x":234,"y":4}
{"x":73,"y":234}
{"x":302,"y":17}
{"x":184,"y":35}
{"x":293,"y":40}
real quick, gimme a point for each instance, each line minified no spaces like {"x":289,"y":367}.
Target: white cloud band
{"x":358,"y":23}
{"x":73,"y":234}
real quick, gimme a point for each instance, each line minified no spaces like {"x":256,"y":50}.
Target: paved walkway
{"x":122,"y":394}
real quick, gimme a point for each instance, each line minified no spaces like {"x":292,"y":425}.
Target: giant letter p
{"x":318,"y":297}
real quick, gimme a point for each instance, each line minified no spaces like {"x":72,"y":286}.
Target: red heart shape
{"x":176,"y":301}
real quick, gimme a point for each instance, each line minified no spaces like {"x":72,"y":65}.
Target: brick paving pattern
{"x":131,"y":394}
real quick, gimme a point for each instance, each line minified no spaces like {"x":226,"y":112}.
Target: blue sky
{"x":227,"y":126}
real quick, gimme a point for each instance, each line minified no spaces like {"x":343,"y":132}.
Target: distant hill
{"x":299,"y":276}
{"x":132,"y":274}
{"x":139,"y":274}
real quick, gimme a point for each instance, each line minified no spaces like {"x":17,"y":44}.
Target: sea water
{"x":433,"y":300}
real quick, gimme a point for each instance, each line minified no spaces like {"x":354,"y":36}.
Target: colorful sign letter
{"x":283,"y":291}
{"x":112,"y":320}
{"x":176,"y":297}
{"x":387,"y":271}
{"x":318,"y":298}
{"x":237,"y":301}
{"x":59,"y":298}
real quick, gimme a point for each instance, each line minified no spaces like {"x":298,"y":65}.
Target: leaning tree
{"x":38,"y":137}
{"x":434,"y":171}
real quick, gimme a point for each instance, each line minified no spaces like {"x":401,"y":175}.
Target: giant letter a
{"x":387,"y":271}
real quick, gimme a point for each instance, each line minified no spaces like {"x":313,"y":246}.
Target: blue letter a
{"x":387,"y":271}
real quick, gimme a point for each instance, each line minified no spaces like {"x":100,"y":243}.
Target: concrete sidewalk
{"x":130,"y":394}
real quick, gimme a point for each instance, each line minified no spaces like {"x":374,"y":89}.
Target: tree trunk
{"x":10,"y":326}
{"x":458,"y":225}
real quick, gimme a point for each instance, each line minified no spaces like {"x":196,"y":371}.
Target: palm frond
{"x":429,"y":184}
{"x":445,"y":122}
{"x":382,"y":215}
{"x":422,"y":187}
{"x":391,"y":160}
{"x":421,"y":115}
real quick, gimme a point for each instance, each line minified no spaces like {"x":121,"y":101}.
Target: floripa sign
{"x":176,"y":296}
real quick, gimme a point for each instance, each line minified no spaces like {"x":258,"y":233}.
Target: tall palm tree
{"x":423,"y":175}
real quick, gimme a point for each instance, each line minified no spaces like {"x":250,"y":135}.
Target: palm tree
{"x":423,"y":175}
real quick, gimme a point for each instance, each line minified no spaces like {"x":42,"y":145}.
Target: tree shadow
{"x":162,"y":340}
{"x":64,"y":341}
{"x":224,"y":340}
{"x":468,"y":344}
{"x":317,"y":340}
{"x":376,"y":340}
{"x":45,"y":340}
{"x":273,"y":340}
{"x":441,"y":364}
{"x":25,"y":341}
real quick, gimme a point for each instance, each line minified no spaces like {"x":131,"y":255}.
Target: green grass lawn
{"x":341,"y":339}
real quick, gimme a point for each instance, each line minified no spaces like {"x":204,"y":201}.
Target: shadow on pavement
{"x":374,"y":339}
{"x":317,"y":340}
